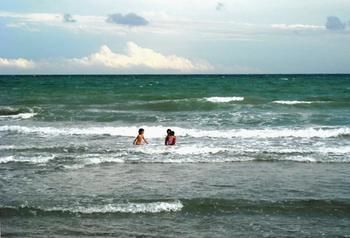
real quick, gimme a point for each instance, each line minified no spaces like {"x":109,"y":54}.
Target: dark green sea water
{"x":257,"y":156}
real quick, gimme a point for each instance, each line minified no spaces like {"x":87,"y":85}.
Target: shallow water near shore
{"x":263,"y":155}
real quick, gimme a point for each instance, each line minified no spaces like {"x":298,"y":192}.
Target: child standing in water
{"x":140,"y":137}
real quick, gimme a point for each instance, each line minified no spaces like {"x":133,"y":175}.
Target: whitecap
{"x":180,"y":150}
{"x":19,"y":116}
{"x":98,"y":159}
{"x":7,"y":147}
{"x":159,"y":132}
{"x":293,"y":102}
{"x":152,"y":207}
{"x":223,"y":99}
{"x":305,"y":159}
{"x":22,"y":159}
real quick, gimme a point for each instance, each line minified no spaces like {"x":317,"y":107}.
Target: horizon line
{"x":175,"y":74}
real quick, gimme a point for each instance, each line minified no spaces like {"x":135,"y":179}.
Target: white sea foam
{"x":7,"y":147}
{"x":341,"y":150}
{"x":159,"y":132}
{"x":224,"y":99}
{"x":8,"y":112}
{"x":22,"y":159}
{"x":180,"y":150}
{"x":6,"y":159}
{"x":152,"y":207}
{"x":300,"y":159}
{"x":74,"y":166}
{"x":19,"y":116}
{"x":99,"y":159}
{"x":294,"y":102}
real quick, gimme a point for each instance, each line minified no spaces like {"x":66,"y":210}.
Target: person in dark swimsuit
{"x":171,"y":138}
{"x":167,"y":137}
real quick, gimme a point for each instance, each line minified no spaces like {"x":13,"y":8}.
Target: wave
{"x":159,"y":132}
{"x":181,"y":150}
{"x":223,"y":99}
{"x":197,"y":149}
{"x":295,"y":102}
{"x":175,"y":160}
{"x":208,"y":99}
{"x":19,"y":116}
{"x":22,"y":159}
{"x":130,"y":207}
{"x":16,"y":113}
{"x":153,"y":207}
{"x":80,"y":162}
{"x":195,"y":206}
{"x":75,"y":162}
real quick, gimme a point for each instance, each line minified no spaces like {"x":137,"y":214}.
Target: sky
{"x":174,"y":37}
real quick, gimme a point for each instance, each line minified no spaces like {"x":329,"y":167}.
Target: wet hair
{"x":168,"y":131}
{"x":141,"y":130}
{"x":172,"y":133}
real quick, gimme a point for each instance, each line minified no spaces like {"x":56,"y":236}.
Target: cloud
{"x":335,"y":24}
{"x":219,"y":6}
{"x":16,"y":63}
{"x":296,"y":27}
{"x":137,"y":56}
{"x":68,"y":18}
{"x":130,"y":19}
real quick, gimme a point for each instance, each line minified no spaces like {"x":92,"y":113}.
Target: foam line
{"x":159,"y":132}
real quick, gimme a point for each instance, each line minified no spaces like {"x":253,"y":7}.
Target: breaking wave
{"x":294,"y":102}
{"x":130,"y":207}
{"x":16,"y":113}
{"x":224,"y":99}
{"x":195,"y":205}
{"x":159,"y":132}
{"x":23,"y":159}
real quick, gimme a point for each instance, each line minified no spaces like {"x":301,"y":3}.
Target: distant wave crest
{"x":224,"y":99}
{"x":293,"y":102}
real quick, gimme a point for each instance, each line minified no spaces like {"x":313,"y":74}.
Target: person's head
{"x":172,"y":133}
{"x":168,"y":131}
{"x":141,"y":131}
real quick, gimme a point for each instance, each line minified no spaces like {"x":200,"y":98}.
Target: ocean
{"x":256,"y":156}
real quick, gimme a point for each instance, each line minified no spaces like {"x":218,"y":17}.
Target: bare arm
{"x":144,"y":140}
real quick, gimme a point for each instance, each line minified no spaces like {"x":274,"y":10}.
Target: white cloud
{"x":137,"y":56}
{"x":297,"y":27}
{"x":33,"y":17}
{"x":160,"y":23}
{"x":16,"y":63}
{"x":136,"y":59}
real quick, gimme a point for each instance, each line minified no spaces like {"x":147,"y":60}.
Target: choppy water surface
{"x":256,"y":156}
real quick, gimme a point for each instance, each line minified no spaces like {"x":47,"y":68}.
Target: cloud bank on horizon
{"x":135,"y":57}
{"x":241,"y":36}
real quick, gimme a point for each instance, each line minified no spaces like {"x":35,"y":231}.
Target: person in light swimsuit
{"x":140,"y":138}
